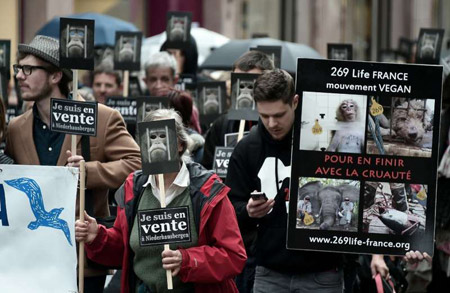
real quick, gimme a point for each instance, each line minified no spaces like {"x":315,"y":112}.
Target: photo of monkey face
{"x":159,"y":146}
{"x":243,"y":106}
{"x":211,"y":98}
{"x":178,"y":29}
{"x":127,"y":50}
{"x":340,"y":51}
{"x":77,"y":43}
{"x":244,"y":94}
{"x":145,"y":105}
{"x":429,"y":46}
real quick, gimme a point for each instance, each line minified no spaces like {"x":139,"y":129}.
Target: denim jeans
{"x":270,"y":281}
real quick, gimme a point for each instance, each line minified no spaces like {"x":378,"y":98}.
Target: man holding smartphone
{"x":260,"y":162}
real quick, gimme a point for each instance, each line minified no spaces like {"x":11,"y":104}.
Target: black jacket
{"x":245,"y":164}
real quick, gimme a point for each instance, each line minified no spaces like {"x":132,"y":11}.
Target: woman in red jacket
{"x":207,"y":263}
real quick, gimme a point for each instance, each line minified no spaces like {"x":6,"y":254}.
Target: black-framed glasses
{"x":27,"y":69}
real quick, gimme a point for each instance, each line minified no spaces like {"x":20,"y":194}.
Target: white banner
{"x":37,"y":241}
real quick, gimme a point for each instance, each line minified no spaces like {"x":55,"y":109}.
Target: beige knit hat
{"x":47,"y":49}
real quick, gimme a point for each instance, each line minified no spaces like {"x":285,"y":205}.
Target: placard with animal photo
{"x":178,"y":29}
{"x":126,"y":107}
{"x":231,"y":139}
{"x":146,"y":104}
{"x":429,"y":46}
{"x":243,"y":106}
{"x":76,"y":43}
{"x":340,"y":51}
{"x":134,"y":87}
{"x":5,"y":55}
{"x":127,"y":51}
{"x":159,"y":147}
{"x":274,"y":52}
{"x":406,"y":47}
{"x":211,"y":100}
{"x":73,"y":117}
{"x":364,"y":157}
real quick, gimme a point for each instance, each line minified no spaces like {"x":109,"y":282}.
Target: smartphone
{"x":258,"y":195}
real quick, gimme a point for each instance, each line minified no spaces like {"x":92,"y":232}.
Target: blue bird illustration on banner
{"x":43,"y":218}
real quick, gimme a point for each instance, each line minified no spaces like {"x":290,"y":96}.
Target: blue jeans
{"x":270,"y":281}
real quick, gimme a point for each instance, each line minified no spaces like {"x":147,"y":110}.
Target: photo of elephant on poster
{"x":328,"y":204}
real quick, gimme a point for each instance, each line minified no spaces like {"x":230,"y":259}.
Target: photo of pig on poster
{"x":365,"y":142}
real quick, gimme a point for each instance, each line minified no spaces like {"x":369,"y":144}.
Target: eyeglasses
{"x":27,"y":69}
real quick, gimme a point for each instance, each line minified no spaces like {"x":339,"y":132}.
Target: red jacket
{"x":211,"y":266}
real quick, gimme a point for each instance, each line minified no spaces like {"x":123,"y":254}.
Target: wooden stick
{"x":81,"y":244}
{"x":162,"y":193}
{"x":241,"y":130}
{"x":126,"y":82}
{"x":74,"y":97}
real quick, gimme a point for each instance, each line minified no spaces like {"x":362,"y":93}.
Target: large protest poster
{"x":37,"y":216}
{"x":364,"y":159}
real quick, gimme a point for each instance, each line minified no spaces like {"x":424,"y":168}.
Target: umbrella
{"x":105,"y":27}
{"x":224,"y":57}
{"x":206,"y":41}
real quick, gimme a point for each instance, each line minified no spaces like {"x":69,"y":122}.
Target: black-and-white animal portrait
{"x":178,"y":28}
{"x":428,"y":46}
{"x":244,"y":94}
{"x":349,"y":138}
{"x":211,"y":98}
{"x":76,"y":41}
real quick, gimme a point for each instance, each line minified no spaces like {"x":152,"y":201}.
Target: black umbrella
{"x":223,"y":58}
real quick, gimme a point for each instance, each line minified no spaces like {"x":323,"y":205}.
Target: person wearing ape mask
{"x":348,"y":138}
{"x":206,"y":263}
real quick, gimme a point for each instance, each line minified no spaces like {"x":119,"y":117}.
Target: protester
{"x":161,"y":77}
{"x":30,"y":141}
{"x":250,"y":62}
{"x":182,"y":103}
{"x":187,"y":59}
{"x":106,"y":82}
{"x":278,"y":269}
{"x":206,"y":264}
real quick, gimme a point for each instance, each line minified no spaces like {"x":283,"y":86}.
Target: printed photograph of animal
{"x":405,"y":128}
{"x":330,"y":204}
{"x":394,"y":208}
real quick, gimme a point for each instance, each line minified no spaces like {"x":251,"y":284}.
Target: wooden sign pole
{"x":162,"y":193}
{"x":241,"y":130}
{"x":74,"y":97}
{"x":81,"y":244}
{"x":126,"y":83}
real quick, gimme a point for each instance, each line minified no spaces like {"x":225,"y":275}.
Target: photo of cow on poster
{"x":394,"y":208}
{"x":243,"y":106}
{"x":76,"y":49}
{"x":333,"y":122}
{"x":404,"y":128}
{"x":328,"y":204}
{"x":127,"y":51}
{"x":159,"y":147}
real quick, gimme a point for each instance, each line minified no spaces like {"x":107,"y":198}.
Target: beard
{"x":41,"y":94}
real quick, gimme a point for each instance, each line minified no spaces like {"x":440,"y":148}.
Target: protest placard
{"x":243,"y":106}
{"x":159,"y":147}
{"x":37,"y":229}
{"x":178,"y":29}
{"x":365,"y":155}
{"x":76,"y":43}
{"x":339,"y":51}
{"x":73,"y":117}
{"x":222,"y":157}
{"x":429,"y":46}
{"x":274,"y":53}
{"x":127,"y":51}
{"x":126,"y":107}
{"x":211,"y":100}
{"x":146,"y":104}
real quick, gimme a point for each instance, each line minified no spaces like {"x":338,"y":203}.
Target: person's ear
{"x":295,"y":102}
{"x":56,"y":77}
